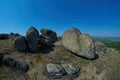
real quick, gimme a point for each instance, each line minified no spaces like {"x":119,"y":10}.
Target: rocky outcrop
{"x":4,"y":36}
{"x":49,"y":34}
{"x":17,"y":65}
{"x":78,"y":43}
{"x":19,"y":43}
{"x":32,"y":37}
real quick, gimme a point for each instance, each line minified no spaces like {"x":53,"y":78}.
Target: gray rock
{"x":70,"y":70}
{"x":87,"y":46}
{"x":99,"y":46}
{"x":49,"y":34}
{"x":19,"y":43}
{"x":70,"y":40}
{"x":55,"y":70}
{"x":45,"y":43}
{"x":33,"y":30}
{"x":32,"y":37}
{"x":17,"y":65}
{"x":21,"y":66}
{"x":8,"y":61}
{"x":80,"y":44}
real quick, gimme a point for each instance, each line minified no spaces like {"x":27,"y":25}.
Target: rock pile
{"x":33,"y":41}
{"x":78,"y":43}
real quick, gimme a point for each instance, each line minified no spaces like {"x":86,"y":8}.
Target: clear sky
{"x":95,"y":17}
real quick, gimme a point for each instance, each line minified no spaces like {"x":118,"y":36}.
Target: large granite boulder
{"x":19,"y":43}
{"x":87,"y":46}
{"x":80,"y":44}
{"x":49,"y":34}
{"x":17,"y":65}
{"x":70,"y":40}
{"x":32,"y":37}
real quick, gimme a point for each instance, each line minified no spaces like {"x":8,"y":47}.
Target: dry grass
{"x":107,"y":65}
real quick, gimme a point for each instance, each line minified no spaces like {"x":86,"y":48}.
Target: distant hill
{"x":111,"y":42}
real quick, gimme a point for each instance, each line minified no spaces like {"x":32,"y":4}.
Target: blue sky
{"x":95,"y":17}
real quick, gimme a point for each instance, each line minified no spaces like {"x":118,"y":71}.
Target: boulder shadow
{"x":96,"y":56}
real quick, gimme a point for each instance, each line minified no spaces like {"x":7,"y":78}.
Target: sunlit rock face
{"x":78,"y":43}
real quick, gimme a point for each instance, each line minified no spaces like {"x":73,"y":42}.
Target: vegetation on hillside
{"x":110,"y":42}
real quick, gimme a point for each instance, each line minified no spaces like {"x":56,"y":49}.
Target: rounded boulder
{"x":19,"y":43}
{"x":32,"y":37}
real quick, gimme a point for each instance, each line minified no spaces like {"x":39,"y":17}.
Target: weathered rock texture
{"x":17,"y":65}
{"x":19,"y":43}
{"x":79,"y":44}
{"x":32,"y":37}
{"x":55,"y":70}
{"x":49,"y":34}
